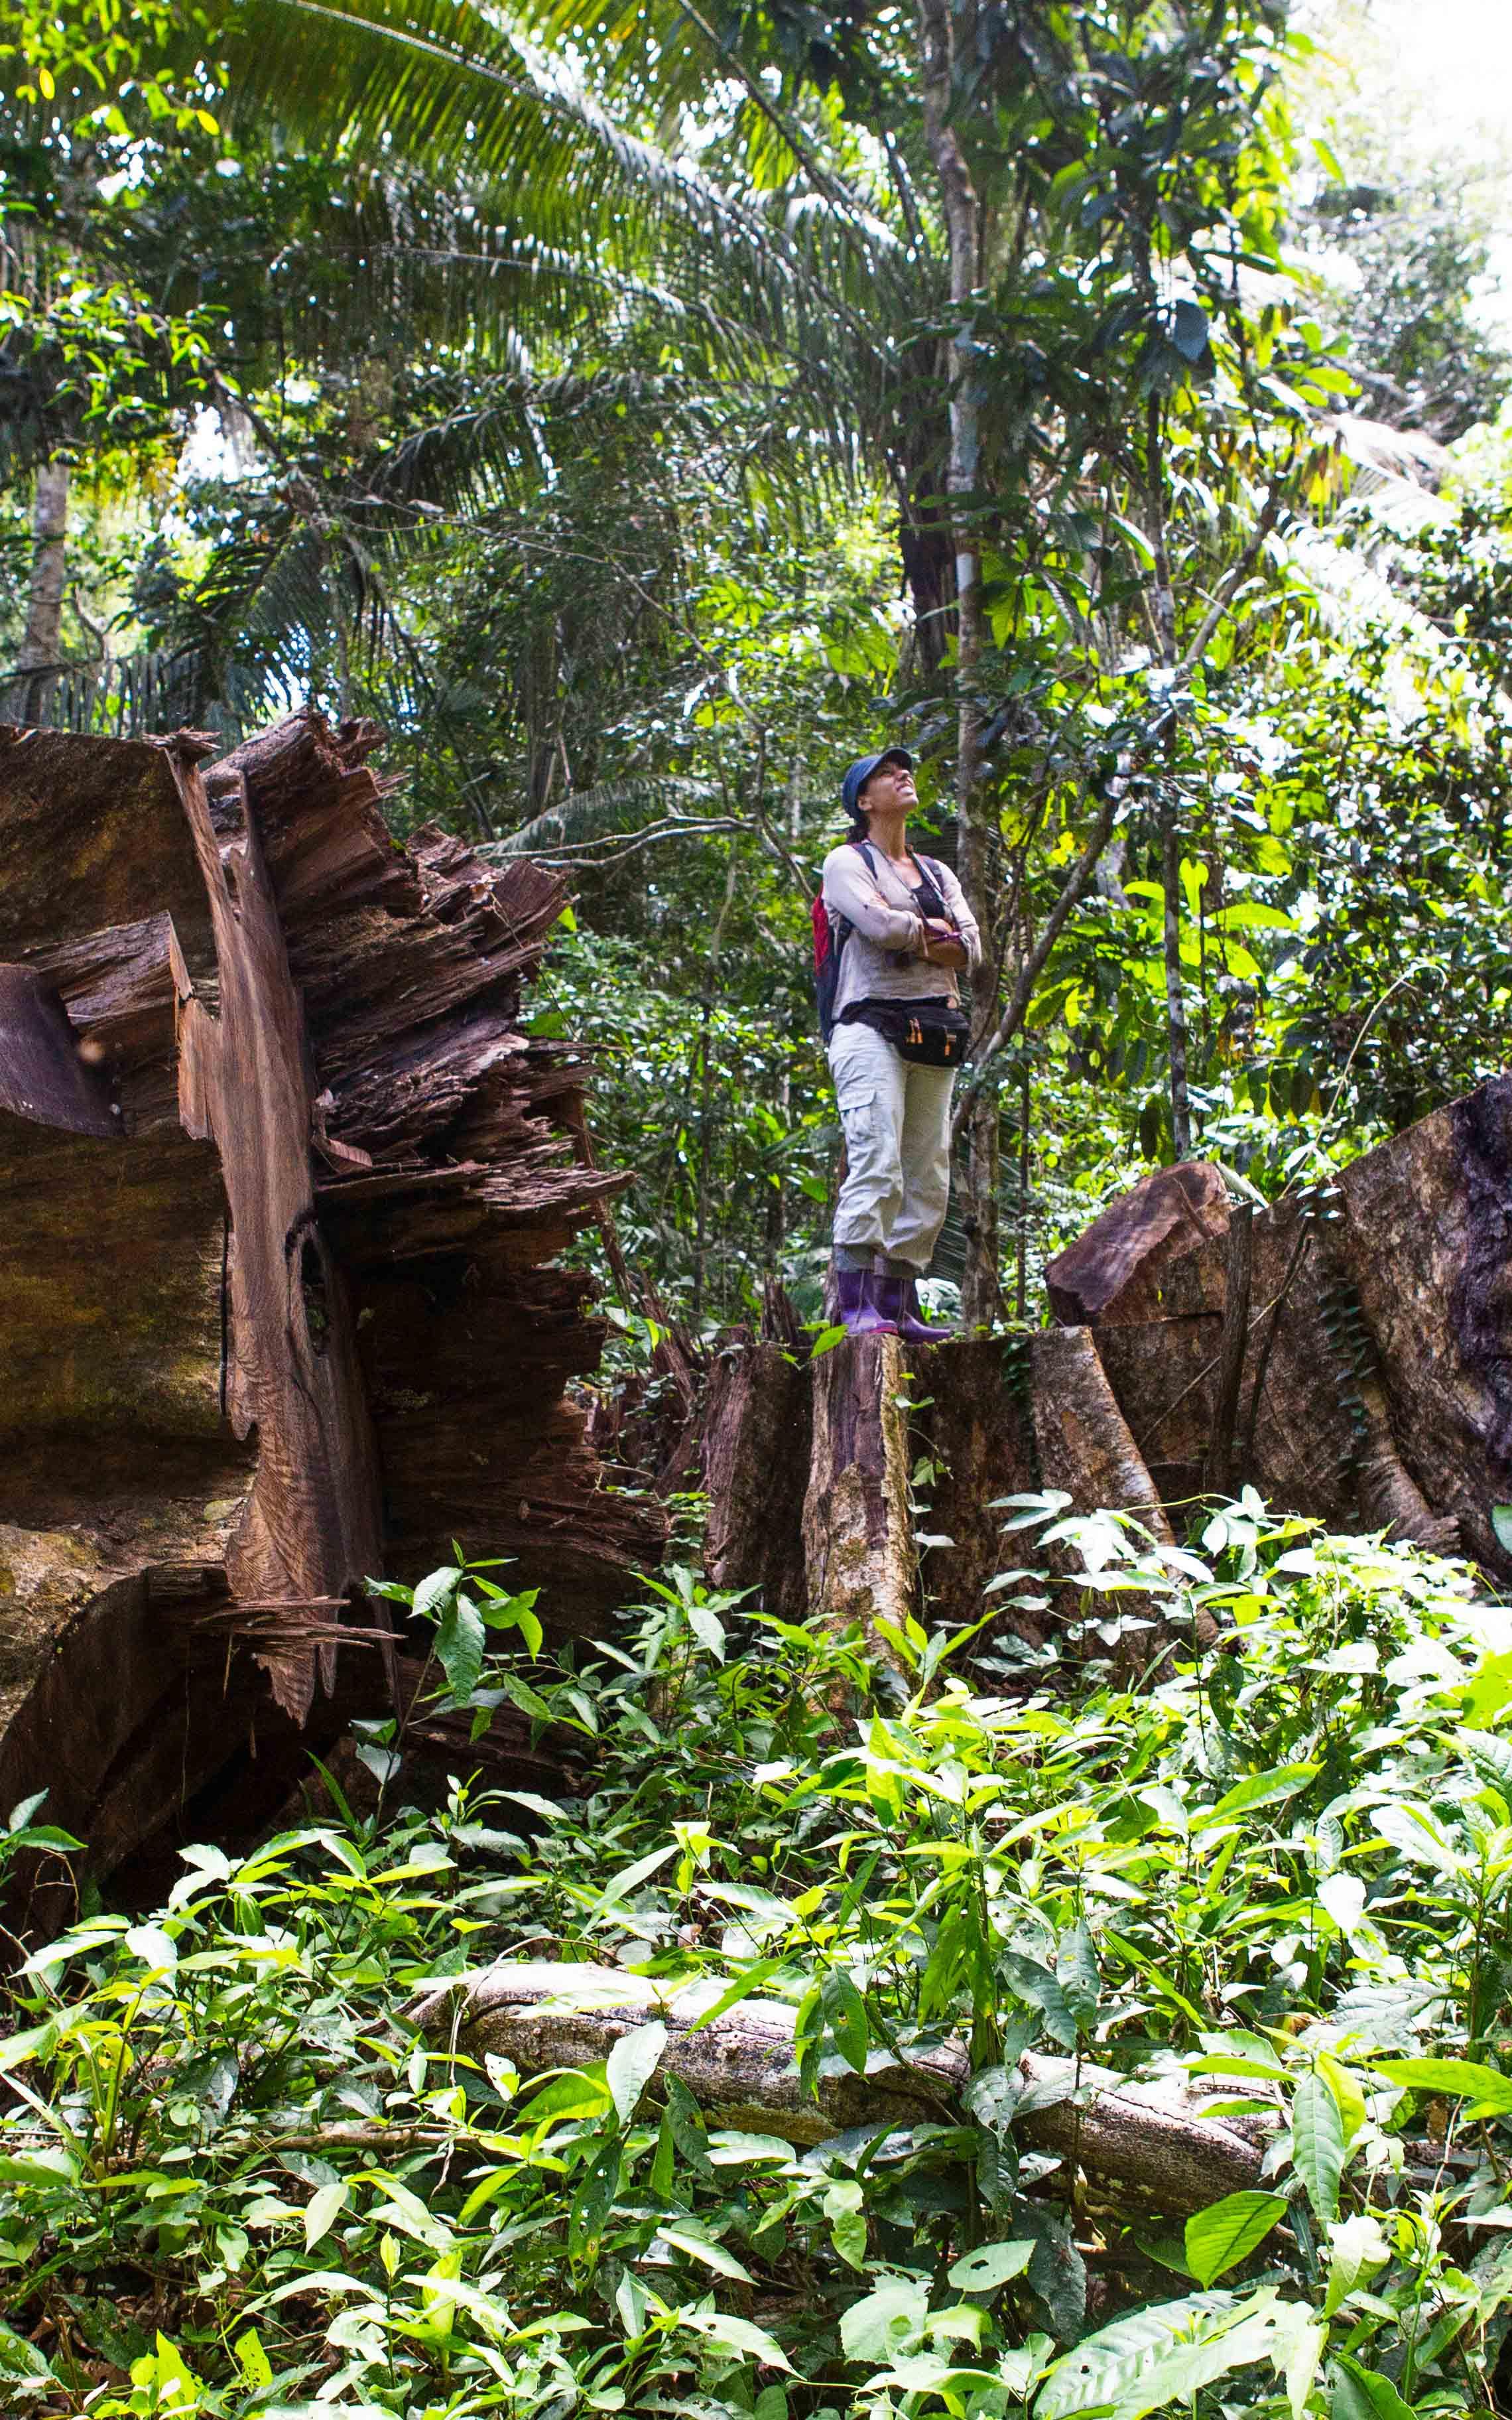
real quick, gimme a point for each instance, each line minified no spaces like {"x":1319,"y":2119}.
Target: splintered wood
{"x":283,"y":1191}
{"x":1350,"y":1355}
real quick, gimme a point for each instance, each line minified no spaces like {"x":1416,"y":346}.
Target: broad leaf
{"x":1156,"y":2356}
{"x":990,"y":2265}
{"x":889,"y":2320}
{"x":631,"y":2064}
{"x":1356,"y":2249}
{"x":1261,"y":1790}
{"x":434,"y":1590}
{"x":698,"y":2246}
{"x":1318,"y":2145}
{"x":322,"y":2213}
{"x":459,"y":1644}
{"x":1486,"y":2087}
{"x":736,"y":2336}
{"x":846,"y":2011}
{"x":1220,"y":2237}
{"x":1364,"y":2395}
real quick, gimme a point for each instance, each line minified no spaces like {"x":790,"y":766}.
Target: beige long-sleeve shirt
{"x":884,"y":958}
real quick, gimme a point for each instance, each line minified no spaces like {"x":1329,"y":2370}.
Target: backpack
{"x":831,"y":933}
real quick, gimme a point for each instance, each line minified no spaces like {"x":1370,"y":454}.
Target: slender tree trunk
{"x":711,"y":985}
{"x":962,"y":211}
{"x":1170,"y":854}
{"x":1163,"y":622}
{"x":28,"y":698}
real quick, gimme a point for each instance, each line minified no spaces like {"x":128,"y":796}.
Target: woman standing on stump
{"x":901,"y":932}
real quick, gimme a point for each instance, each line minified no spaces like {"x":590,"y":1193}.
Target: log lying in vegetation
{"x":1136,"y":2139}
{"x":281,"y":1188}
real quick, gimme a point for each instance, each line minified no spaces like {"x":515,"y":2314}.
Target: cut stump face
{"x":283,"y":1190}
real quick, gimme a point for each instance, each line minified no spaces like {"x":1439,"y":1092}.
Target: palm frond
{"x":599,"y":818}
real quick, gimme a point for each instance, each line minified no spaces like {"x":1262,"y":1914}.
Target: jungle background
{"x":639,"y":414}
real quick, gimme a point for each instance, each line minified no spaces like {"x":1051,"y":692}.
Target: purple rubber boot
{"x":858,"y":1306}
{"x":896,"y":1298}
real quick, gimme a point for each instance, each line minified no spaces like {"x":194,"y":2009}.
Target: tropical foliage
{"x":235,"y":2178}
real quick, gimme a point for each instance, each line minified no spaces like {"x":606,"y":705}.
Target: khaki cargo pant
{"x":897,"y":1122}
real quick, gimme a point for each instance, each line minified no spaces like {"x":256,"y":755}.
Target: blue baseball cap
{"x":858,"y":774}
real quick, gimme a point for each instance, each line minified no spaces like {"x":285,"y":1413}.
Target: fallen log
{"x":283,"y":1191}
{"x":1142,"y":2139}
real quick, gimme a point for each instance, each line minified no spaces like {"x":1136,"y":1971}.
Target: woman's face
{"x":891,"y":787}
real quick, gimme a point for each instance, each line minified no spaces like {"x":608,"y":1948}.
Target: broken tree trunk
{"x":1345,"y":1354}
{"x":869,"y":1485}
{"x":1153,"y":2140}
{"x":1373,"y":1389}
{"x":858,"y":1535}
{"x":283,"y":1192}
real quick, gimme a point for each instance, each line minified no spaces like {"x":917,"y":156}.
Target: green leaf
{"x":1162,"y":2355}
{"x":1364,"y":2395}
{"x":323,"y":2211}
{"x":631,"y":2064}
{"x":434,"y":1590}
{"x":1501,"y":1525}
{"x":1356,"y":2248}
{"x":1318,"y":2145}
{"x":753,"y":1979}
{"x":1261,"y":1790}
{"x":49,"y":2165}
{"x":460,"y":1641}
{"x":989,"y":2266}
{"x":685,"y":2237}
{"x":846,"y":2011}
{"x":1461,"y":2078}
{"x":889,"y":2321}
{"x":730,"y":2335}
{"x":21,"y":2359}
{"x":1219,"y":2238}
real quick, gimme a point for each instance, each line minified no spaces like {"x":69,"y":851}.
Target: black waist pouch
{"x":929,"y":1033}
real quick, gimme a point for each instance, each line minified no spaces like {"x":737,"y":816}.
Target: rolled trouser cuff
{"x":855,"y":1256}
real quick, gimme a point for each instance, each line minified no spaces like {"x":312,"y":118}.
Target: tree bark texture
{"x":28,"y":698}
{"x":1144,"y":2140}
{"x":282,"y":1190}
{"x":1348,"y":1357}
{"x":1374,"y":1389}
{"x":857,"y":1526}
{"x":757,"y":1442}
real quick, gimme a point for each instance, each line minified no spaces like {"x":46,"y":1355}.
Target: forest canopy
{"x":640,"y":417}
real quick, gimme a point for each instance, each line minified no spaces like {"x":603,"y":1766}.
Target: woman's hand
{"x":943,"y":945}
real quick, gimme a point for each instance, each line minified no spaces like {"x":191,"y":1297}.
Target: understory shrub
{"x":235,"y":2180}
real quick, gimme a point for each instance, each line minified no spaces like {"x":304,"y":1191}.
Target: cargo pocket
{"x":861,"y":1118}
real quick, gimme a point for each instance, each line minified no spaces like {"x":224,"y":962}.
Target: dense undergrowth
{"x":235,"y":2181}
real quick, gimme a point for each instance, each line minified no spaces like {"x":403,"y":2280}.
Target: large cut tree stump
{"x":1349,"y":1355}
{"x":1374,"y":1390}
{"x":284,"y":1190}
{"x":868,"y":1486}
